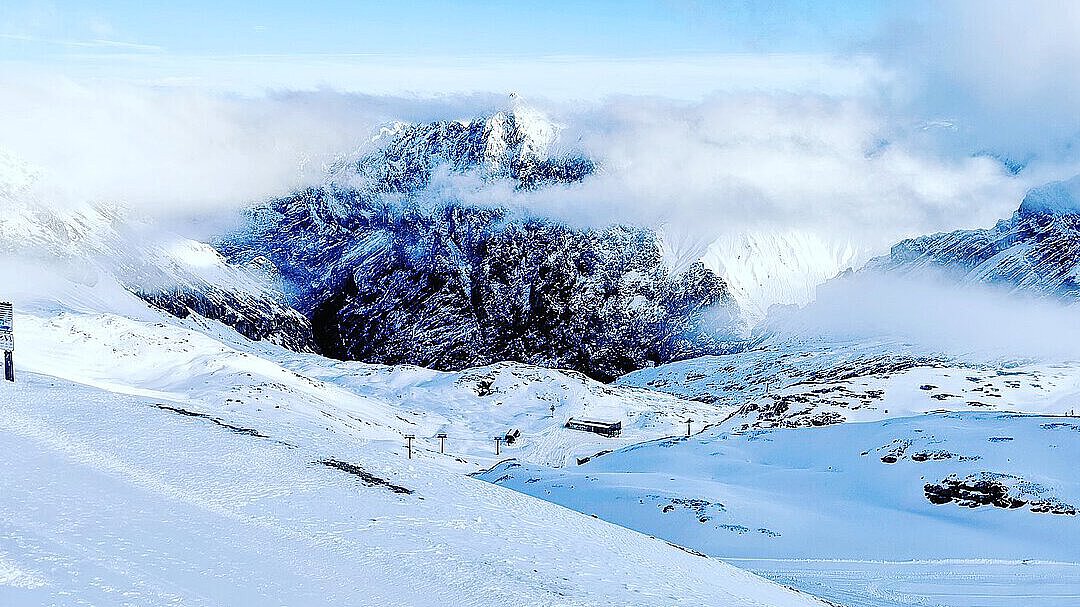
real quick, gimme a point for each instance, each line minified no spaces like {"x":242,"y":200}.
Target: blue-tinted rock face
{"x":388,"y":275}
{"x":505,"y":145}
{"x":1036,"y":250}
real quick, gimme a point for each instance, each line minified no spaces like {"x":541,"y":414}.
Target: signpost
{"x":7,"y":339}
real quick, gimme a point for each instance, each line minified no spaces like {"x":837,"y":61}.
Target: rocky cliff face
{"x":390,"y":272}
{"x":1036,"y":250}
{"x":457,"y":289}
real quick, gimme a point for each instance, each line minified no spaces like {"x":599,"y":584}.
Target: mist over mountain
{"x":392,"y":268}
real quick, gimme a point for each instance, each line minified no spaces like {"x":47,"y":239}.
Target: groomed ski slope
{"x":149,"y":488}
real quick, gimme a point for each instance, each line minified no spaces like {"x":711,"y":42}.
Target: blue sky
{"x":604,"y":28}
{"x":555,"y":49}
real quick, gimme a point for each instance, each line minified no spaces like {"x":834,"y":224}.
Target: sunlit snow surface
{"x":929,"y":583}
{"x":149,"y":463}
{"x":823,"y":509}
{"x":763,"y":268}
{"x":841,"y":510}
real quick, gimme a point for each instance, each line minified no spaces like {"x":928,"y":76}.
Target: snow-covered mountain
{"x":762,"y":268}
{"x":391,"y":267}
{"x":520,"y":144}
{"x":150,"y":448}
{"x":158,"y":460}
{"x":1037,"y":250}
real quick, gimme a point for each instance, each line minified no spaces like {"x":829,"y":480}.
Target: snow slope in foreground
{"x":197,"y":473}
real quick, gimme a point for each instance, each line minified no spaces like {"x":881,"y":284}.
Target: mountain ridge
{"x":1036,"y":250}
{"x":390,"y":273}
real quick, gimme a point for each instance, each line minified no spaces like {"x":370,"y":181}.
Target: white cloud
{"x":837,"y":166}
{"x":1005,"y":72}
{"x":188,"y":151}
{"x":935,"y":314}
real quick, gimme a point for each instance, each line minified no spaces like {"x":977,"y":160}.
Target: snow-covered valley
{"x":937,"y":509}
{"x":150,"y":463}
{"x":155,"y":459}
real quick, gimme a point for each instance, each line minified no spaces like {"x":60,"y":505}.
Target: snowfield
{"x":848,"y":491}
{"x":210,"y":367}
{"x":985,"y":502}
{"x":150,"y":463}
{"x":816,"y":382}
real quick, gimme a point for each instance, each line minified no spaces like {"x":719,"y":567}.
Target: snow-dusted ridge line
{"x":472,"y":405}
{"x":1036,"y":251}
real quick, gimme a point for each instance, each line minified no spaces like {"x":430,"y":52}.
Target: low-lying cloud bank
{"x":936,"y":314}
{"x":166,"y":150}
{"x":758,"y":161}
{"x":835,"y":166}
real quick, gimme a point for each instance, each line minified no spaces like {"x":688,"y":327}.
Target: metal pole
{"x":7,"y":338}
{"x":498,"y":441}
{"x":408,"y":443}
{"x":442,"y":441}
{"x":688,"y":427}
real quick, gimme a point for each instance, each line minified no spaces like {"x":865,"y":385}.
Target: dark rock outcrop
{"x":390,"y":272}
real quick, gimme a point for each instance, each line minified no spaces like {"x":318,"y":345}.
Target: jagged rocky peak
{"x":392,"y":268}
{"x":465,"y":287}
{"x":519,"y":143}
{"x":1037,"y":250}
